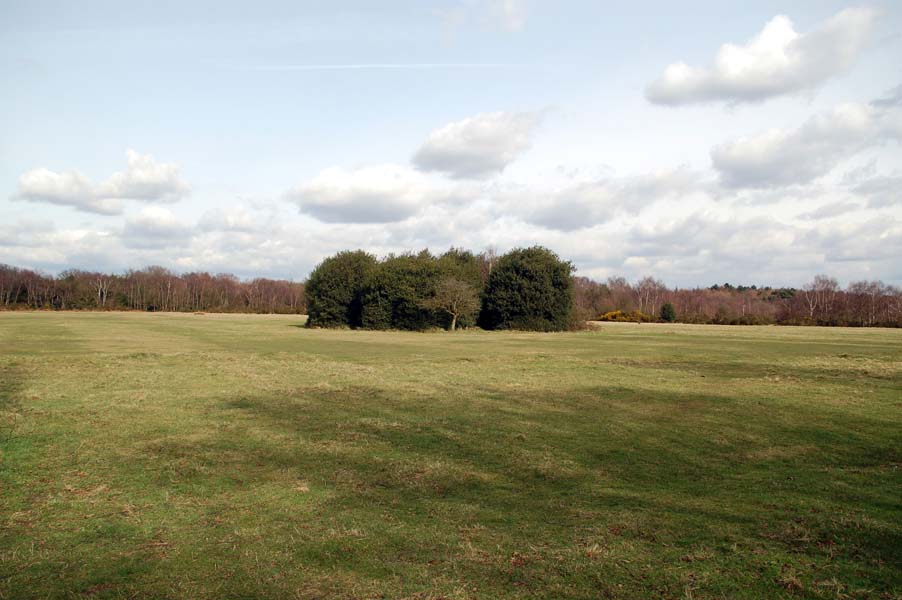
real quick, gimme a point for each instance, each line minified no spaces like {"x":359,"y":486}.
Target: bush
{"x":529,"y":289}
{"x":334,"y":289}
{"x":634,"y":316}
{"x":668,"y":313}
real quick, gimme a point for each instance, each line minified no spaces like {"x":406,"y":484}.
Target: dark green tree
{"x":529,"y":289}
{"x":335,"y":287}
{"x":395,"y":293}
{"x":668,"y":313}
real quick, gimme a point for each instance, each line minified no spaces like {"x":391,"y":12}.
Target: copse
{"x":528,"y":289}
{"x":421,"y":291}
{"x":335,"y":288}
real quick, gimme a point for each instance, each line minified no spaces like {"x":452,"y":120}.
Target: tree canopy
{"x":529,"y":289}
{"x":335,"y":287}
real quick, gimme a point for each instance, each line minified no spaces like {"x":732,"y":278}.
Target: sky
{"x":697,"y":142}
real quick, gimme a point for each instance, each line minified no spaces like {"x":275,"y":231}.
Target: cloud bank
{"x":781,"y":157}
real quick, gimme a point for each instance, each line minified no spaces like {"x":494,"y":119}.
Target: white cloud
{"x":477,"y":147}
{"x":587,"y":204}
{"x":234,"y":218}
{"x":711,"y":243}
{"x":871,"y":242}
{"x":155,"y":227}
{"x":881,"y":191}
{"x":893,"y":97}
{"x":69,"y":188}
{"x":27,"y":233}
{"x":144,"y":179}
{"x":828,"y":211}
{"x":777,"y":61}
{"x":378,"y":194}
{"x":781,"y":157}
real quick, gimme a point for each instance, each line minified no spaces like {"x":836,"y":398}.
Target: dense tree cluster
{"x":150,"y":289}
{"x":821,"y":302}
{"x":527,"y":288}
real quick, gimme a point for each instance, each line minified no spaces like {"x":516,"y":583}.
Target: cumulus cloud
{"x":777,"y":61}
{"x":378,"y":194}
{"x":144,"y":179}
{"x":233,"y":218}
{"x":477,"y":147}
{"x":69,"y":188}
{"x":587,"y":204}
{"x":155,"y":227}
{"x":780,"y":157}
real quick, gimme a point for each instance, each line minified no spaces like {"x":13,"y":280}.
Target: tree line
{"x":534,"y":290}
{"x":150,"y":289}
{"x":820,"y":302}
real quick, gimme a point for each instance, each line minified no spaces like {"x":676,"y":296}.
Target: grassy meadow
{"x":240,"y":456}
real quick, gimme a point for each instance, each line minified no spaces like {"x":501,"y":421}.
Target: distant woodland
{"x":424,"y":284}
{"x":149,"y":289}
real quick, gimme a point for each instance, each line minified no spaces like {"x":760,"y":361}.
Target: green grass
{"x":230,"y":456}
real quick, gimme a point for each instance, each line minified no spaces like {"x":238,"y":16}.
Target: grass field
{"x":232,"y":456}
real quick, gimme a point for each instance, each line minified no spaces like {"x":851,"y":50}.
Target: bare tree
{"x":102,"y":285}
{"x":455,"y":298}
{"x":819,"y":295}
{"x":487,"y":261}
{"x":649,"y":292}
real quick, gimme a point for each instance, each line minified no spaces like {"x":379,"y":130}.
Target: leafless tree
{"x":455,"y":298}
{"x":819,"y":295}
{"x":649,"y":292}
{"x":487,"y":261}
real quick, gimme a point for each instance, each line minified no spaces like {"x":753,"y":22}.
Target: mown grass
{"x":215,"y":456}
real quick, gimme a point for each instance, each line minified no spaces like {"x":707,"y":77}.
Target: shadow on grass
{"x":12,"y":380}
{"x":12,"y":383}
{"x":688,"y":465}
{"x":508,"y":489}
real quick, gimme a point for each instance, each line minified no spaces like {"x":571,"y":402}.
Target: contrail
{"x":383,"y":66}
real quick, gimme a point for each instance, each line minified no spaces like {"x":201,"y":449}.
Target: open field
{"x":232,"y":456}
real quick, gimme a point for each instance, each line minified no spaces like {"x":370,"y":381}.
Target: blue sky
{"x":257,"y":138}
